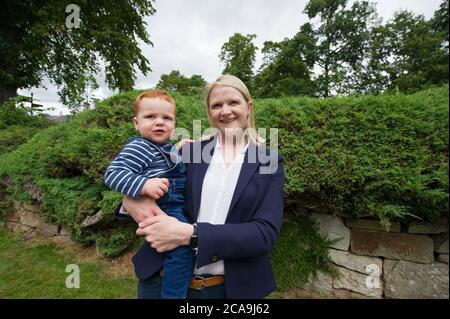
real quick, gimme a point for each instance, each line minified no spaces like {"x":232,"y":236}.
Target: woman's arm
{"x":141,"y":208}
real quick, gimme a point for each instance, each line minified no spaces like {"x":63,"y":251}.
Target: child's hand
{"x":155,"y":187}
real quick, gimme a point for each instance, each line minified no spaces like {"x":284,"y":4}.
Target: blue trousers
{"x":151,"y":289}
{"x":178,"y":263}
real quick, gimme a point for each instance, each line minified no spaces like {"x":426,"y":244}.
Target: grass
{"x":37,"y":269}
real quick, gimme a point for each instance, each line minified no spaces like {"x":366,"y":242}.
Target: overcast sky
{"x":188,"y":34}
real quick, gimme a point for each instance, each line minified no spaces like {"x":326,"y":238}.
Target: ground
{"x":36,"y":268}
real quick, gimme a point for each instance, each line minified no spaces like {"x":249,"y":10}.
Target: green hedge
{"x":384,"y":155}
{"x":15,"y":135}
{"x":381,"y":155}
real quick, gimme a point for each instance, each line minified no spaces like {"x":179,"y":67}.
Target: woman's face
{"x":228,"y":108}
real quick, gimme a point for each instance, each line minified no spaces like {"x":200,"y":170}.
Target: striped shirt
{"x":138,"y":161}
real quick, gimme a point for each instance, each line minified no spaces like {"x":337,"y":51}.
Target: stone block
{"x":347,"y":294}
{"x":333,"y":228}
{"x":371,"y":224}
{"x":441,"y":244}
{"x":427,"y":228}
{"x":443,"y":258}
{"x":367,"y":285}
{"x":48,"y":229}
{"x":322,"y":283}
{"x":31,"y":219}
{"x":362,"y":264}
{"x":14,"y":217}
{"x":17,"y":227}
{"x":417,"y":248}
{"x":31,"y":208}
{"x":94,"y":219}
{"x":409,"y":280}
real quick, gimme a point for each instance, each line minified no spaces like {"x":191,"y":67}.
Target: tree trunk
{"x":7,"y":92}
{"x":8,"y":32}
{"x":327,"y":81}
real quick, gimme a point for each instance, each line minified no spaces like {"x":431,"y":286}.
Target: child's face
{"x":155,"y":120}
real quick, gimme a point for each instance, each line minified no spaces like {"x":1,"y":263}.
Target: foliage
{"x":440,"y":22}
{"x":176,"y":82}
{"x":417,"y":58}
{"x":385,"y":155}
{"x":287,"y":66}
{"x":64,"y":166}
{"x":299,"y":254}
{"x":16,"y":112}
{"x":342,"y":40}
{"x":18,"y":124}
{"x":15,"y":135}
{"x":112,"y":243}
{"x":36,"y":42}
{"x":238,"y":55}
{"x":382,"y":155}
{"x":347,"y":50}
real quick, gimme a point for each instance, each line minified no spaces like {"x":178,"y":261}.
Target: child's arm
{"x":123,"y":173}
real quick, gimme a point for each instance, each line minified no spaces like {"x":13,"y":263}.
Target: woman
{"x":234,"y":197}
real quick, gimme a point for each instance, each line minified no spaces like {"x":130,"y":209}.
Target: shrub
{"x":299,"y":253}
{"x":17,"y":125}
{"x":15,"y":135}
{"x":383,"y":155}
{"x":116,"y":240}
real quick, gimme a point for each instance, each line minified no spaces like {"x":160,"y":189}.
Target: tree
{"x":37,"y":41}
{"x":342,"y":37}
{"x":418,"y":57}
{"x":238,"y":54}
{"x":440,"y":21}
{"x":407,"y":53}
{"x":371,"y":76}
{"x":176,"y":82}
{"x":287,"y":65}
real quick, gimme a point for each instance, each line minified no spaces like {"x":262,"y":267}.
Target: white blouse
{"x":218,"y":188}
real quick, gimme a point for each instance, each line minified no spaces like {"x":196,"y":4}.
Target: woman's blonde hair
{"x":236,"y":83}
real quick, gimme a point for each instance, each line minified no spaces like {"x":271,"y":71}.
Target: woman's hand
{"x":141,"y":208}
{"x":165,"y":233}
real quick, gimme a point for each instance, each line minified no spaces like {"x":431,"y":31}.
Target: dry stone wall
{"x":408,"y":262}
{"x":371,"y":262}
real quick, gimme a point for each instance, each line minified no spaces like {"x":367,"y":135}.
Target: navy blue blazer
{"x":251,"y":227}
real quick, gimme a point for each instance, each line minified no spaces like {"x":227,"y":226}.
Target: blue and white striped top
{"x":138,"y":161}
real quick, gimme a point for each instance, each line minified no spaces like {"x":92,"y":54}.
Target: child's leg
{"x":178,"y":268}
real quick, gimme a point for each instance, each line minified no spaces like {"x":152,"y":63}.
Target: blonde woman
{"x":234,"y":202}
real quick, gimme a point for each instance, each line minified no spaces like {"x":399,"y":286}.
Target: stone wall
{"x":371,"y":262}
{"x":27,"y":219}
{"x":404,"y":262}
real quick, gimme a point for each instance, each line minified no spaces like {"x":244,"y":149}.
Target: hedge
{"x":385,"y":156}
